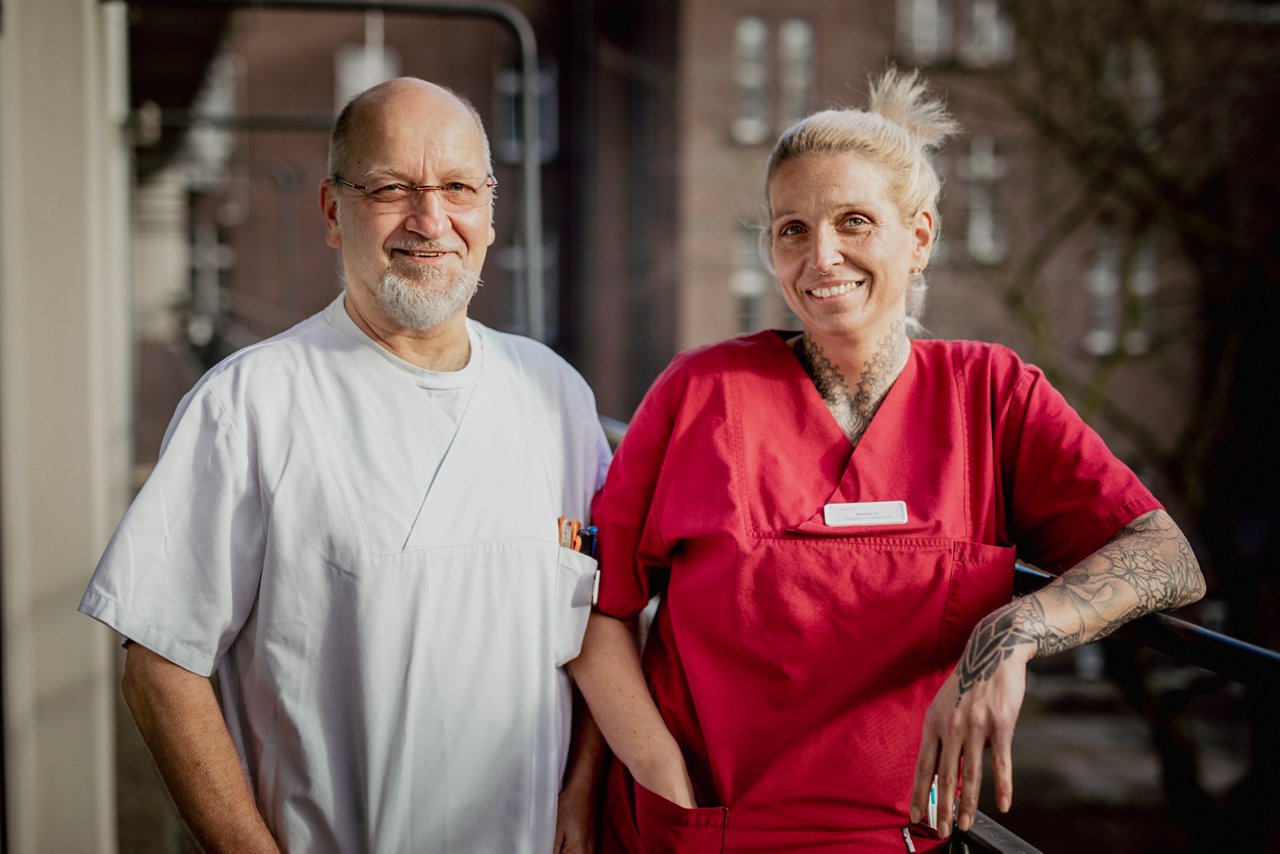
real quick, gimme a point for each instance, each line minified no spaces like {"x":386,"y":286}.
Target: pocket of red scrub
{"x":668,"y":828}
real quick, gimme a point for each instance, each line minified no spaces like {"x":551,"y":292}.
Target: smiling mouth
{"x":836,"y":290}
{"x":424,"y":253}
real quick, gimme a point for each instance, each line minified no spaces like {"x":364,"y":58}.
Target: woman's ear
{"x":922,"y":231}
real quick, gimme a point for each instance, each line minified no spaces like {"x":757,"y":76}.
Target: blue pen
{"x":588,"y":537}
{"x":933,"y":803}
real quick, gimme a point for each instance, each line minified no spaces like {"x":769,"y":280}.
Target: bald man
{"x":354,"y":526}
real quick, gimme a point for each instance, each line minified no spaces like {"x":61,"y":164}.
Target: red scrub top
{"x":794,"y":661}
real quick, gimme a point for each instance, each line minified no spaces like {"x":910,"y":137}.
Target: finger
{"x":1002,"y":767}
{"x":926,"y":767}
{"x":948,"y":770}
{"x":972,"y":781}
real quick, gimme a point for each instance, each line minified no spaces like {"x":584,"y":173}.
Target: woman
{"x":832,"y":519}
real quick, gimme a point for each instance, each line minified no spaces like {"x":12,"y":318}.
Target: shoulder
{"x":533,"y":358}
{"x":709,"y":362}
{"x":260,"y":376}
{"x":531,"y":354}
{"x":534,"y":365}
{"x":277,"y":353}
{"x":977,"y":363}
{"x":968,"y":354}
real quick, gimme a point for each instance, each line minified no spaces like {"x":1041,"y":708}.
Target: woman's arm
{"x":609,"y":676}
{"x":1148,"y":566}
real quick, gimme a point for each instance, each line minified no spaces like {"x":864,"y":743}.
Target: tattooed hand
{"x":1146,"y":567}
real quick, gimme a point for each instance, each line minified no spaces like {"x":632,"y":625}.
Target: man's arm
{"x":179,"y":718}
{"x":1148,"y":566}
{"x":579,"y":801}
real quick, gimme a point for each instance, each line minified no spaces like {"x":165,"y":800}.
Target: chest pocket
{"x":981,"y":580}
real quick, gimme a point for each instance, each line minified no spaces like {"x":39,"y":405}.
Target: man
{"x":354,"y":525}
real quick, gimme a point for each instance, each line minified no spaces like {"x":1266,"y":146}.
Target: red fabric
{"x":792,"y":661}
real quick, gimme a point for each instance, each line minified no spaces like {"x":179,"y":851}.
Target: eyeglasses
{"x":454,"y":195}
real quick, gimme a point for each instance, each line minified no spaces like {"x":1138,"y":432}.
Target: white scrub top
{"x":376,"y":582}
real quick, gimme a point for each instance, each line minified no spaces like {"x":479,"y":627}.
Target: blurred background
{"x":1110,"y":213}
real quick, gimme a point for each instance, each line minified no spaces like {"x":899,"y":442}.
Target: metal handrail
{"x":1227,"y":656}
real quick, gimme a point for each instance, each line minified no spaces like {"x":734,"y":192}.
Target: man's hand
{"x":575,"y":822}
{"x":977,"y":706}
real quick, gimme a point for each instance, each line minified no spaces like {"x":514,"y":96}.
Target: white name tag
{"x":865,"y":513}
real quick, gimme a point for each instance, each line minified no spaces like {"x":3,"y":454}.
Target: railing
{"x":1224,"y":655}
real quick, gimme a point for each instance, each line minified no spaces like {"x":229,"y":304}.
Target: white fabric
{"x":380,"y":594}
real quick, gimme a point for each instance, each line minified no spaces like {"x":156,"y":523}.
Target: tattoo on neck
{"x":853,"y":410}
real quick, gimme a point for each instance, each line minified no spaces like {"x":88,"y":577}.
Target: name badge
{"x":865,"y":513}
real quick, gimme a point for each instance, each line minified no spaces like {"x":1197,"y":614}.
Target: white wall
{"x":64,"y":408}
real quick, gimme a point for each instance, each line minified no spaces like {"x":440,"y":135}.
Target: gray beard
{"x":426,"y":302}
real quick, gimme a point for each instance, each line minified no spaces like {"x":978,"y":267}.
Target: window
{"x":508,"y":121}
{"x":1103,"y":285}
{"x":511,"y":259}
{"x":989,"y":38}
{"x":751,"y":80}
{"x":1141,"y":288}
{"x":749,"y":283}
{"x":982,"y":171}
{"x":1121,"y":282}
{"x":972,"y":32}
{"x":357,"y":67}
{"x":773,"y":90}
{"x":796,"y":71}
{"x":1132,"y":79}
{"x":924,"y":30}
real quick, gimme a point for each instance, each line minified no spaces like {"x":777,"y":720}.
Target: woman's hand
{"x":1148,"y":566}
{"x":668,"y":779}
{"x":977,"y":706}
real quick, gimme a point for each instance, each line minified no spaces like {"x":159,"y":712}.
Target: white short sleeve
{"x":181,"y":572}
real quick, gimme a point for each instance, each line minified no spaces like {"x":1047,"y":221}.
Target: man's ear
{"x":329,"y":207}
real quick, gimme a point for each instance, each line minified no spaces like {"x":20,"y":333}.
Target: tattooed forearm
{"x":854,"y":410}
{"x":1148,"y":566}
{"x":991,"y":643}
{"x":1149,"y":563}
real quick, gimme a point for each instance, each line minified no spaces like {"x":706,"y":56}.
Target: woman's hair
{"x":903,"y":124}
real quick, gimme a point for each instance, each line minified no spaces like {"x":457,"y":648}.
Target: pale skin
{"x":416,"y":132}
{"x":843,"y":252}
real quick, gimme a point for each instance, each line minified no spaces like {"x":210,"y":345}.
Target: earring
{"x":915,"y":271}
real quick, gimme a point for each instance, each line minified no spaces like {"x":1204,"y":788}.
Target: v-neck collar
{"x":878,"y":443}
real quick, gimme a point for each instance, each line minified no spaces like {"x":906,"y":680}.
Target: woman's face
{"x":841,"y":250}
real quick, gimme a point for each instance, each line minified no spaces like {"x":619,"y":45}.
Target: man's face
{"x":414,"y":264}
